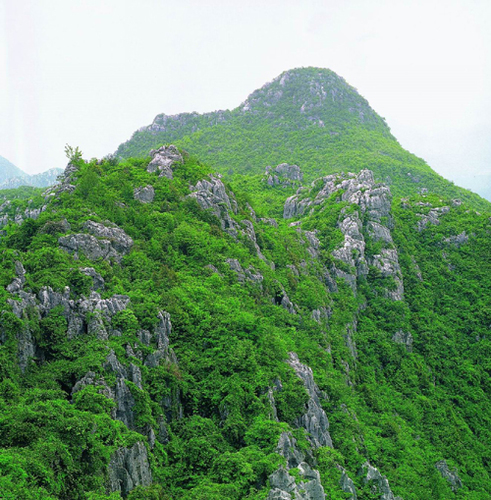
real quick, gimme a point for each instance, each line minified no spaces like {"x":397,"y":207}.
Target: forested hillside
{"x":309,"y":117}
{"x":168,"y":335}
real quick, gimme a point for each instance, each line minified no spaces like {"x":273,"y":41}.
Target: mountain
{"x":12,"y":177}
{"x":8,"y":170}
{"x":43,"y":179}
{"x":162,"y":335}
{"x":309,"y":117}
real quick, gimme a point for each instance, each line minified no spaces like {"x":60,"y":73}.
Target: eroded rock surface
{"x":379,"y":483}
{"x":163,"y":159}
{"x":129,"y":468}
{"x":243,"y":275}
{"x":145,"y":194}
{"x":432,"y":217}
{"x":283,"y":485}
{"x":405,"y":338}
{"x":314,"y":421}
{"x":101,"y":242}
{"x":211,"y":194}
{"x":369,"y":223}
{"x":451,"y":476}
{"x":283,"y":175}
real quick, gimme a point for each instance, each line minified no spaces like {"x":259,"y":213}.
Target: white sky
{"x":90,"y":72}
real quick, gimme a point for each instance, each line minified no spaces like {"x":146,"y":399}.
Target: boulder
{"x":145,"y":194}
{"x":163,"y":160}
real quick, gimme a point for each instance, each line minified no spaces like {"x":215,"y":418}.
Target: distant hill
{"x":306,"y":116}
{"x":12,"y":177}
{"x":9,"y":170}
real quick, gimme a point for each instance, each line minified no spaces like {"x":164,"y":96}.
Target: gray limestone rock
{"x":347,"y":485}
{"x":388,"y":264}
{"x":321,"y":314}
{"x":120,"y":241}
{"x":97,"y":280}
{"x":405,"y":338}
{"x":19,"y":280}
{"x":102,"y":242}
{"x":379,"y":483}
{"x":377,"y":232}
{"x":269,"y":221}
{"x":272,"y":403}
{"x":314,"y":421}
{"x":90,"y":378}
{"x":372,"y":220}
{"x":161,"y":339}
{"x":212,"y":195}
{"x":295,"y":205}
{"x":284,"y":485}
{"x":88,"y":245}
{"x":250,"y":233}
{"x":283,"y":175}
{"x":349,"y":339}
{"x":250,"y":274}
{"x":163,"y":160}
{"x":458,"y":240}
{"x":287,"y":304}
{"x":129,"y":468}
{"x":432,"y":217}
{"x":145,"y":194}
{"x":66,"y":182}
{"x":26,"y":348}
{"x":450,"y":475}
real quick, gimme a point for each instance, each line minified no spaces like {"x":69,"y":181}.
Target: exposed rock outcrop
{"x":379,"y":483}
{"x":283,"y":485}
{"x":457,"y":240}
{"x":66,"y":184}
{"x":405,"y":338}
{"x":369,"y":223}
{"x":243,"y":275}
{"x":19,"y":215}
{"x":347,"y":484}
{"x":314,"y":421}
{"x":450,"y":475}
{"x":102,"y":242}
{"x":283,"y":175}
{"x":145,"y":194}
{"x":432,"y":217}
{"x":129,"y":468}
{"x":211,"y":194}
{"x":97,"y":280}
{"x":90,"y":314}
{"x":163,"y":160}
{"x":161,"y":338}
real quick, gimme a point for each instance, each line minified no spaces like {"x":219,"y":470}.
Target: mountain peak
{"x":314,"y":94}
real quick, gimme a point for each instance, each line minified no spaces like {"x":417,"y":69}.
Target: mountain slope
{"x":161,"y":337}
{"x":12,"y":177}
{"x":43,"y":179}
{"x":9,"y":170}
{"x":308,"y":116}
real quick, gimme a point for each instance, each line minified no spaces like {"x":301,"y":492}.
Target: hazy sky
{"x":90,"y":72}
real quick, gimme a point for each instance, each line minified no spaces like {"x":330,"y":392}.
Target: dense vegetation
{"x":96,"y":386}
{"x":403,"y":411}
{"x":310,"y":117}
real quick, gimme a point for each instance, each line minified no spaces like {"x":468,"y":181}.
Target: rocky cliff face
{"x":366,"y":219}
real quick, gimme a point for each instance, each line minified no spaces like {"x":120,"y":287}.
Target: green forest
{"x":304,"y":332}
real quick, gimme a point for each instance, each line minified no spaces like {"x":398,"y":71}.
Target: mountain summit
{"x":309,"y":117}
{"x":315,"y":96}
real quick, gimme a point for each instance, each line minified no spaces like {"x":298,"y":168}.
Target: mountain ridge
{"x":12,"y":177}
{"x":307,"y":116}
